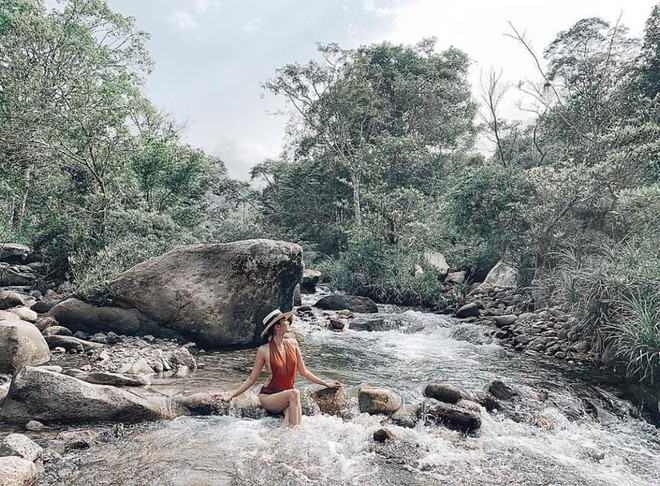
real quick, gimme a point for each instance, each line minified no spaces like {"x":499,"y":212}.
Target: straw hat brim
{"x":284,"y":315}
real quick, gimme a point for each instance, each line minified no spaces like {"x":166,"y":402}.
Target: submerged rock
{"x":501,"y":390}
{"x":453,"y":416}
{"x":383,"y":435}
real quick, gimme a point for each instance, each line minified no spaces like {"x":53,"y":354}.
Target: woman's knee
{"x":294,"y":395}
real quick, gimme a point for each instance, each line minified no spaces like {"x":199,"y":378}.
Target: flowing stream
{"x":547,"y":446}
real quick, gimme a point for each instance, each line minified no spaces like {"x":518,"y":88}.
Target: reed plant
{"x":614,"y":289}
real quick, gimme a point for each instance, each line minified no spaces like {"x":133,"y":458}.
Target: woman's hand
{"x":225,"y":396}
{"x":333,"y":384}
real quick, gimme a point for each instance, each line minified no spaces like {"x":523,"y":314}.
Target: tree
{"x":387,"y":114}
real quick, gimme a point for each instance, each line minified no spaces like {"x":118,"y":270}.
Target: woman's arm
{"x":259,"y":362}
{"x":304,"y":372}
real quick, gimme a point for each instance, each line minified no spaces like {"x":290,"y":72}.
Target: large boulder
{"x":215,"y":295}
{"x":37,"y":394}
{"x":351,"y":302}
{"x":21,"y":344}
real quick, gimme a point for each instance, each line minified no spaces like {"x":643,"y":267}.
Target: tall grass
{"x":615,"y":291}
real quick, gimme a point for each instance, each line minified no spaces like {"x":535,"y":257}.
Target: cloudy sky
{"x":211,"y":56}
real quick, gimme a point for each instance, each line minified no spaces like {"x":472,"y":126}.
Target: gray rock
{"x":442,"y":391}
{"x":338,"y":324}
{"x":10,"y":299}
{"x":21,"y":446}
{"x":454,"y":417}
{"x":310,"y":278}
{"x":182,"y":371}
{"x":111,"y":379}
{"x":375,"y":324}
{"x":437,"y":261}
{"x":468,"y":310}
{"x":15,"y":471}
{"x":507,"y":320}
{"x":373,"y":400}
{"x":182,"y":357}
{"x":407,"y":416}
{"x":25,"y":314}
{"x":21,"y":344}
{"x":501,"y":390}
{"x":35,"y":426}
{"x":46,"y":322}
{"x":45,"y":396}
{"x":350,"y":302}
{"x":215,"y":295}
{"x":56,"y":331}
{"x":71,"y":343}
{"x":44,"y":305}
{"x":502,"y":276}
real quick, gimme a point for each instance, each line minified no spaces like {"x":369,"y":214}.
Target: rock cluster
{"x":550,"y":332}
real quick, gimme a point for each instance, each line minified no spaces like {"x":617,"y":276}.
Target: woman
{"x":282,"y":358}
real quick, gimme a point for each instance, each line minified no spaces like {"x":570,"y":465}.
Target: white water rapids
{"x":551,"y":449}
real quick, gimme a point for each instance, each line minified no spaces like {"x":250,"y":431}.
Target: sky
{"x":212,"y":56}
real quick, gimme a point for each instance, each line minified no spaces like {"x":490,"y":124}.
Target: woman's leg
{"x":287,"y":401}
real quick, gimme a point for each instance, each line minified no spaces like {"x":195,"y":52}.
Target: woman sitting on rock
{"x":282,"y":358}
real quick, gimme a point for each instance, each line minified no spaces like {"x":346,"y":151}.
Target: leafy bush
{"x":383,"y":272}
{"x":486,"y":208}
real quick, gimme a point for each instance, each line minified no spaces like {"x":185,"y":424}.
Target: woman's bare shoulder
{"x":292,"y":341}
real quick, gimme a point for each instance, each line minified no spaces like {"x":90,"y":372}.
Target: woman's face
{"x":284,"y":325}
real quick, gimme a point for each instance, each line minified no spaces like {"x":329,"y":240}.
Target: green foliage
{"x":486,"y":206}
{"x":615,"y":290}
{"x":87,"y":165}
{"x":383,"y":272}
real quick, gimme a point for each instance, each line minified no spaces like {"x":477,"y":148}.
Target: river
{"x":543,"y":444}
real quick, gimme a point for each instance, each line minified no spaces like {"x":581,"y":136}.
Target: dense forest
{"x":380,"y":166}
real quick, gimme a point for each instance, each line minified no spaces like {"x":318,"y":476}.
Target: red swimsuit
{"x":283,"y":375}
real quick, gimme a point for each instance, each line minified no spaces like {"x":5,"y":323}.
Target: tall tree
{"x":387,"y":114}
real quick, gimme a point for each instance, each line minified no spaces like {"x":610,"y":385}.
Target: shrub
{"x":385,"y":273}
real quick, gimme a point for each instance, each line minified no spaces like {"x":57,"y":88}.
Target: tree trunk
{"x":357,"y":210}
